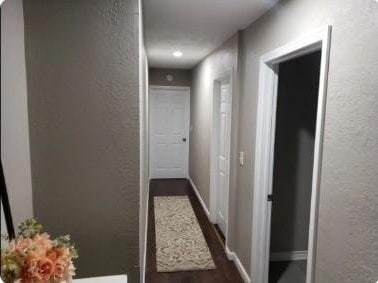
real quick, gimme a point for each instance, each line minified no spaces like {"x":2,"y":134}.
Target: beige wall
{"x":347,"y":248}
{"x":83,"y":83}
{"x":180,"y":77}
{"x":15,"y":152}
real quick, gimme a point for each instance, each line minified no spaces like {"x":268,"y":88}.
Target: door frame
{"x":264,"y":151}
{"x":222,"y":77}
{"x":152,"y":89}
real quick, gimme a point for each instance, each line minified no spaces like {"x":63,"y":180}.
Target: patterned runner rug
{"x":180,"y":244}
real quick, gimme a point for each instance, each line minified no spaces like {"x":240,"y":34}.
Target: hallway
{"x":225,"y":271}
{"x":148,"y":129}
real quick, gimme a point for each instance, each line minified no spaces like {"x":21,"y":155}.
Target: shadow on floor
{"x":287,"y":271}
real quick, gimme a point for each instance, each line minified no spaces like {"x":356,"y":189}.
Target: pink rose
{"x":23,"y":244}
{"x":59,"y":253}
{"x":60,"y":270}
{"x":42,"y":268}
{"x":43,"y":241}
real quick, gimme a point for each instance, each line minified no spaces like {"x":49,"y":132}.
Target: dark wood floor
{"x":225,"y":270}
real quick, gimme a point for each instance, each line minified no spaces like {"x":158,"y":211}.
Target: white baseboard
{"x":200,"y":198}
{"x":288,"y":256}
{"x":230,"y":255}
{"x":233,"y":256}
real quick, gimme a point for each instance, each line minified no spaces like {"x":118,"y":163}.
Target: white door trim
{"x":289,"y":256}
{"x":264,"y":151}
{"x":225,"y":76}
{"x":182,"y":88}
{"x":187,"y":88}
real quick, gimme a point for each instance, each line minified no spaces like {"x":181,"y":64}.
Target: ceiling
{"x":194,"y":27}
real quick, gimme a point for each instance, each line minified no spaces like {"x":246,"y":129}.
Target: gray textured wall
{"x":223,"y":59}
{"x":203,"y":75}
{"x":181,"y":77}
{"x":144,"y":188}
{"x":347,"y":248}
{"x":297,"y":99}
{"x":144,"y":147}
{"x":15,"y":151}
{"x":82,"y":68}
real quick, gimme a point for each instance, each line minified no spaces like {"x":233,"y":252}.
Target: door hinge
{"x":270,"y":197}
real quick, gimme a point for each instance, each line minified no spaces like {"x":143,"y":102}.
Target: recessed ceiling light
{"x":177,"y":54}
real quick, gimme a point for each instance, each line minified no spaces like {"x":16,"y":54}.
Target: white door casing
{"x":169,"y":131}
{"x":219,"y":195}
{"x":264,"y":150}
{"x":223,"y":153}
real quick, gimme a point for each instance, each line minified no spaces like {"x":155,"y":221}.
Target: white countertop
{"x":104,"y":279}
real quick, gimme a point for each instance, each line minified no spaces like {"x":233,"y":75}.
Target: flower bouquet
{"x":35,"y":258}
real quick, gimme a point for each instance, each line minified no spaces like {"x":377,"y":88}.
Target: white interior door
{"x":223,"y":156}
{"x":169,"y":132}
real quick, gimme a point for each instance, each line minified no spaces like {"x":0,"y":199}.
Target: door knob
{"x":184,"y":139}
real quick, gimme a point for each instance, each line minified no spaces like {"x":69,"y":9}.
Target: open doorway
{"x":297,"y":97}
{"x":290,"y":122}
